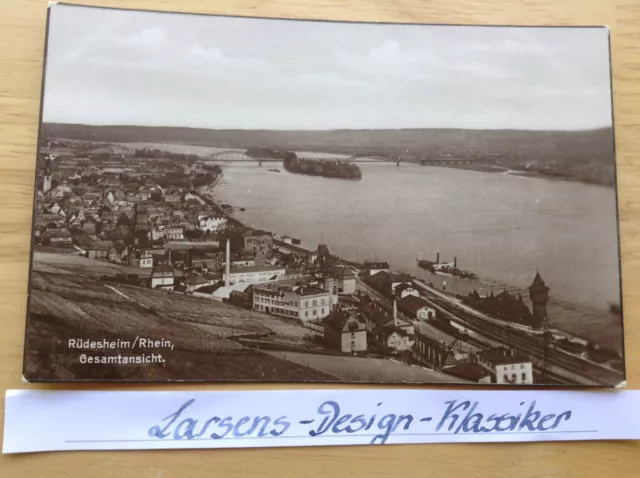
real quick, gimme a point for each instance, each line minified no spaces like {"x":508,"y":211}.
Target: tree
{"x":123,"y":220}
{"x":193,"y":235}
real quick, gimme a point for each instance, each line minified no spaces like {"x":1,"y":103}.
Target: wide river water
{"x":501,"y":226}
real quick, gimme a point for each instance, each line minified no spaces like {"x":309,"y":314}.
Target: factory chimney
{"x":395,"y":313}
{"x":227,"y":264}
{"x":455,"y":262}
{"x":437,"y":258}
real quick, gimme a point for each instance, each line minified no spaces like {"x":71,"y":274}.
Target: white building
{"x":416,"y":307}
{"x":403,"y":290}
{"x":375,"y":267}
{"x":506,"y":366}
{"x":396,"y":338}
{"x":162,"y":277}
{"x":345,"y":279}
{"x":345,"y":331}
{"x":211,"y":223}
{"x":254,"y":274}
{"x":141,"y":259}
{"x":305,"y":303}
{"x":174,"y":233}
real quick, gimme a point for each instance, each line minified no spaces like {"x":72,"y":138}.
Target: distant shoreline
{"x":584,"y":156}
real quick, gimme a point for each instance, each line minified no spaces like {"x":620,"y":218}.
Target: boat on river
{"x":445,"y":268}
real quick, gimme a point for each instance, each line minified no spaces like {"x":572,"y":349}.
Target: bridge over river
{"x":234,"y":155}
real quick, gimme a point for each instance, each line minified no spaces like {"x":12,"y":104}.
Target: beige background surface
{"x":22,"y":29}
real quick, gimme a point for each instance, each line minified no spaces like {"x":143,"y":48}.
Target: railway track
{"x":571,"y":368}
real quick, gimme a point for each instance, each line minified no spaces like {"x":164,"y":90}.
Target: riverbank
{"x":395,"y":214}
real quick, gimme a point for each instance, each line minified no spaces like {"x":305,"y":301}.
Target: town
{"x":152,"y":216}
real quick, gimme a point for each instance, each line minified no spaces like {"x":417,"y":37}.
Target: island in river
{"x":328,"y":168}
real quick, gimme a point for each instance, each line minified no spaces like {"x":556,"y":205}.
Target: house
{"x":58,"y":236}
{"x":416,"y":308}
{"x":255,"y":274}
{"x":377,"y":314}
{"x":156,"y":232}
{"x":394,"y":338}
{"x":403,"y":290}
{"x":436,"y":349}
{"x":380,"y":282}
{"x":99,"y":250}
{"x":345,"y":331}
{"x":345,"y":279}
{"x":304,"y":302}
{"x":215,"y":291}
{"x":258,"y":243}
{"x":291,"y":240}
{"x":506,"y":366}
{"x":89,"y":227}
{"x":195,"y":281}
{"x":191,"y":196}
{"x":375,"y":267}
{"x":77,"y":217}
{"x":120,"y":198}
{"x":162,"y":277}
{"x":211,"y":223}
{"x":174,"y":233}
{"x":241,"y":298}
{"x":54,"y":208}
{"x":118,"y":253}
{"x":54,"y":220}
{"x":60,"y":192}
{"x":156,"y":193}
{"x":398,"y":279}
{"x":468,"y":371}
{"x":141,"y":258}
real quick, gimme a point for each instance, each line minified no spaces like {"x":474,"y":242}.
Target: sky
{"x":118,"y":67}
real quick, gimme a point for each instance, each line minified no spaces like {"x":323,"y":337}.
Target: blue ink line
{"x":306,"y":422}
{"x":331,"y":436}
{"x":426,"y":419}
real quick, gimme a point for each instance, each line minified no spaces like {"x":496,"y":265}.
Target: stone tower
{"x":46,"y":183}
{"x":539,"y":296}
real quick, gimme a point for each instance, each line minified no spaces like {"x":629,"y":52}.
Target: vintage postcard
{"x":244,"y":199}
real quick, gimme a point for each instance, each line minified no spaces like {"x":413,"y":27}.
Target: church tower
{"x":539,"y":296}
{"x":46,"y":183}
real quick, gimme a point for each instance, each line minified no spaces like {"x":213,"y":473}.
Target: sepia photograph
{"x":235,"y":199}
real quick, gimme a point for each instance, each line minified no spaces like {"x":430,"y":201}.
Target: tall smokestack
{"x":437,"y":258}
{"x":455,"y":262}
{"x":227,"y":264}
{"x":395,"y":313}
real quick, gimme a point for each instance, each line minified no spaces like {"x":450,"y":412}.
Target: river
{"x":502,"y":227}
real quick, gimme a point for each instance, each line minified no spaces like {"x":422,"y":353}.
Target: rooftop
{"x":238,"y":270}
{"x":338,"y":319}
{"x":376,"y":265}
{"x":403,"y":286}
{"x":502,"y":355}
{"x":411,"y":304}
{"x":538,"y":283}
{"x":402,"y":277}
{"x":163,"y":269}
{"x":467,"y":370}
{"x":341,"y":272}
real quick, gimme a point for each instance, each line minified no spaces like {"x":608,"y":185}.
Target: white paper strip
{"x":70,"y":420}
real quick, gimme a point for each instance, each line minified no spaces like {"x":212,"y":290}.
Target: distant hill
{"x":580,"y":155}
